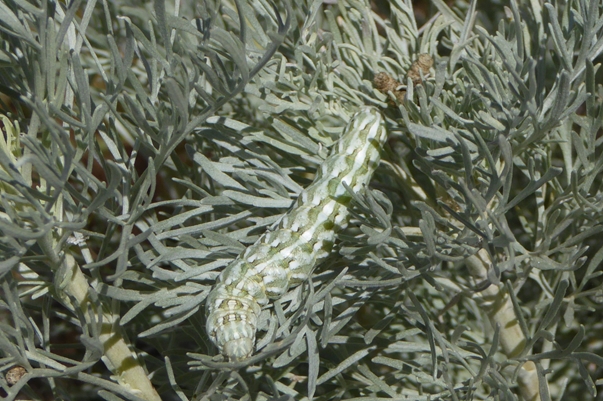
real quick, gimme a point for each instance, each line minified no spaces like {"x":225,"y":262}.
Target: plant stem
{"x":500,"y":311}
{"x":118,"y":357}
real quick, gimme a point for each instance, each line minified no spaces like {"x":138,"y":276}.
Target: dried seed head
{"x":421,"y":66}
{"x":418,"y":70}
{"x":385,"y":83}
{"x":15,"y":374}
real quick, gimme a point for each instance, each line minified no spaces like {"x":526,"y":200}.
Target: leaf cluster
{"x":153,"y":143}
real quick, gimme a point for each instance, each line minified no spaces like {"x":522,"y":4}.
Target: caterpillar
{"x":286,"y":256}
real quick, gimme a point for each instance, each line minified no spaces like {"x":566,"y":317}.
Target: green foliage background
{"x":146,"y":144}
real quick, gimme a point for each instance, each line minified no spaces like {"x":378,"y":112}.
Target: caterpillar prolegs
{"x":286,"y":256}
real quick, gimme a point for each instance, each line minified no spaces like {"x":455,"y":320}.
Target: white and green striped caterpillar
{"x":286,"y":256}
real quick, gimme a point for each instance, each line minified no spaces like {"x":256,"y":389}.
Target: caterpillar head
{"x":232,"y":324}
{"x":235,"y":341}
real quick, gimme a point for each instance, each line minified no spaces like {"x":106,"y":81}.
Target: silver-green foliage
{"x":159,"y":143}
